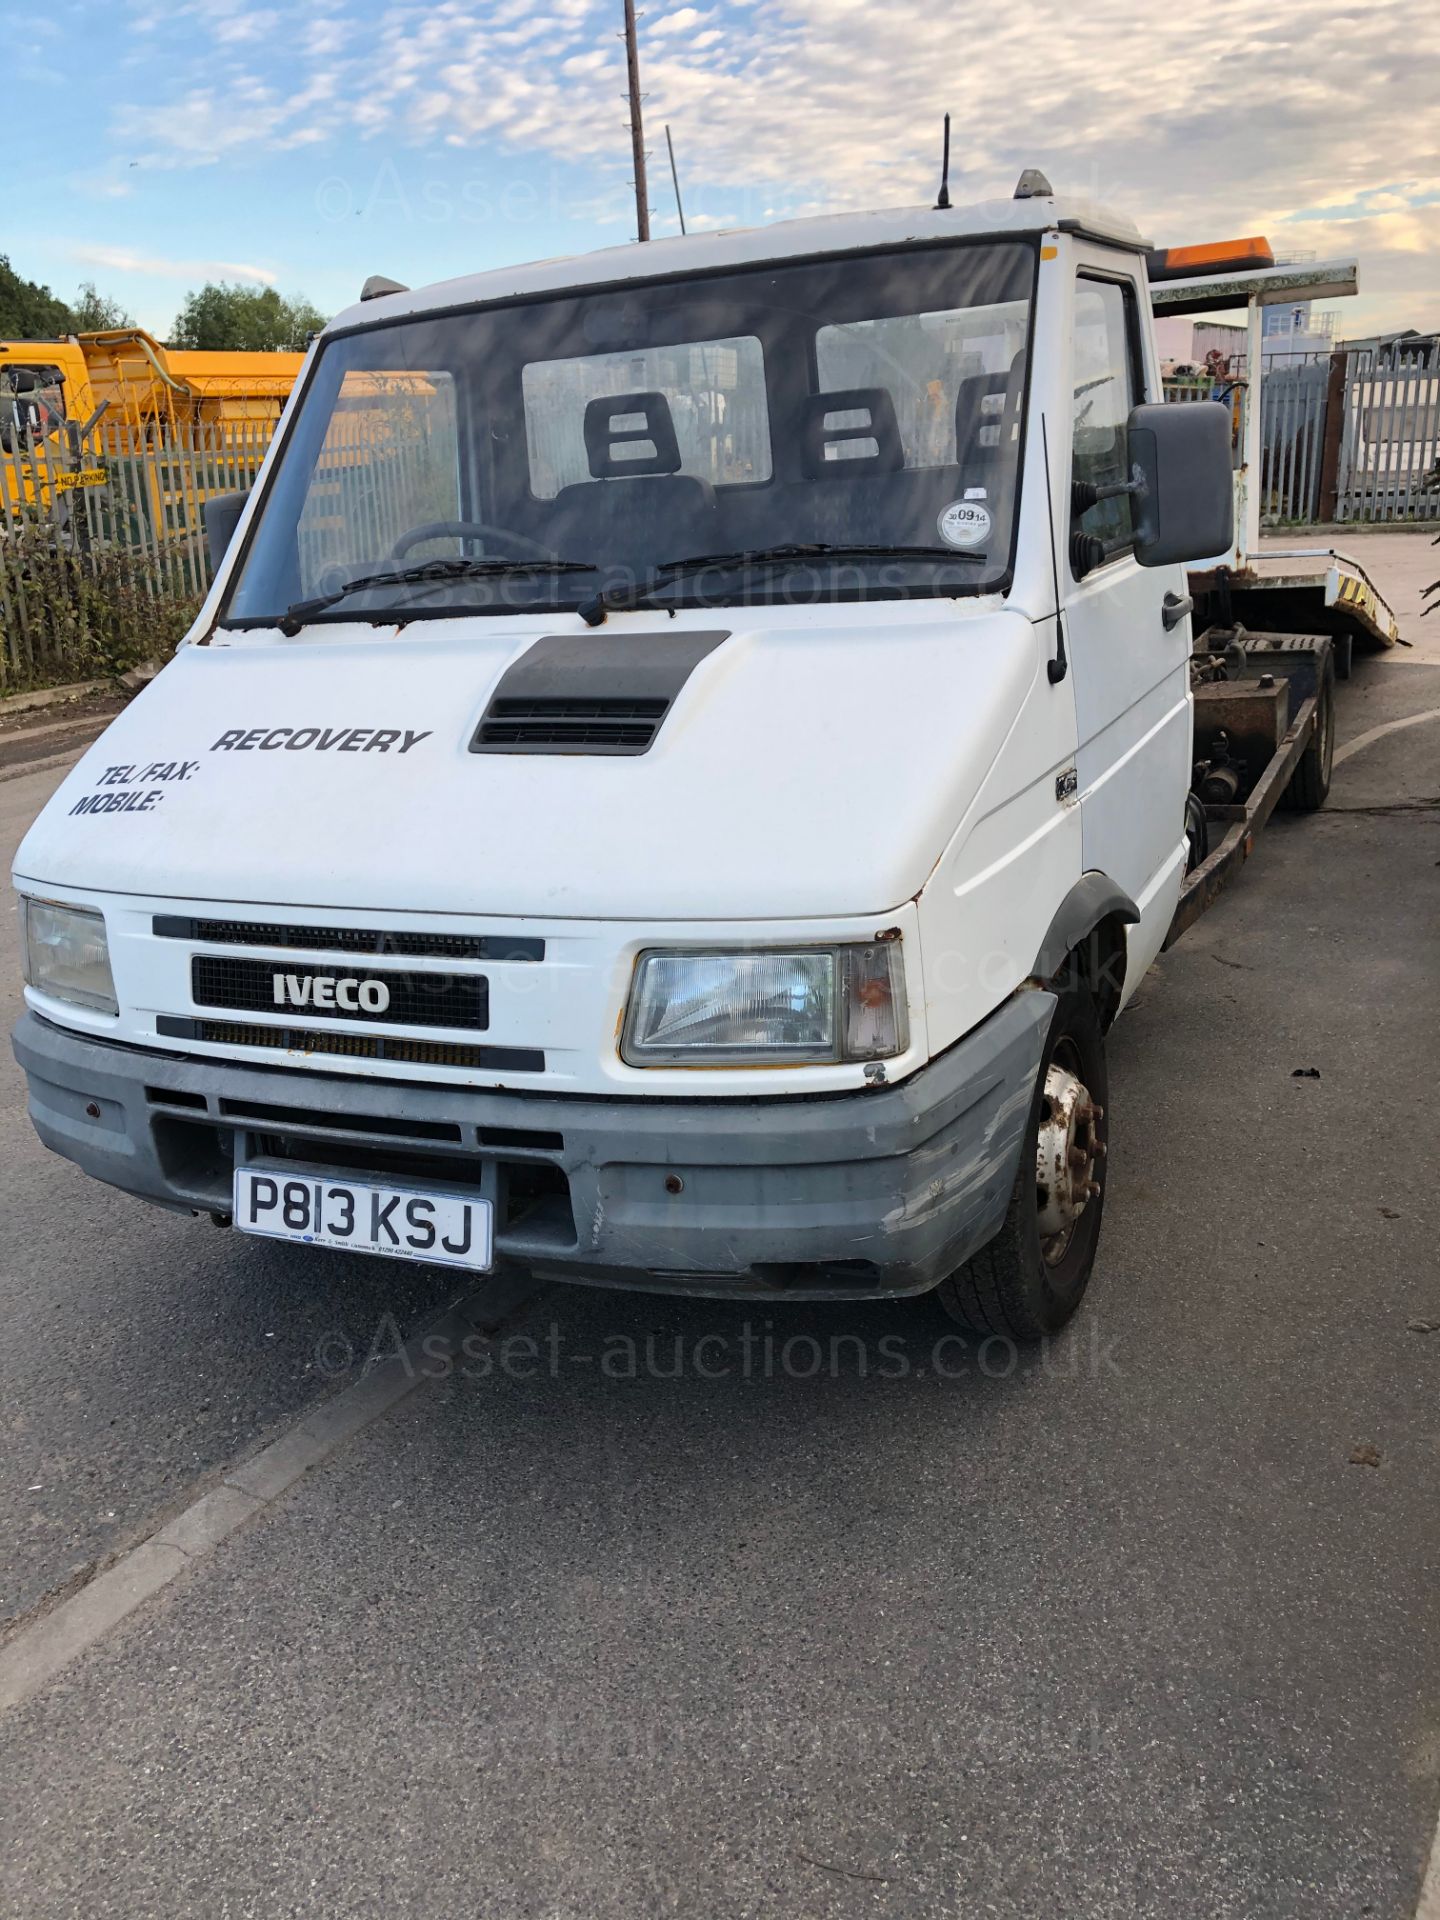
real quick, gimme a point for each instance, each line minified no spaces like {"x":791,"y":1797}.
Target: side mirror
{"x":222,"y":513}
{"x":1184,"y":503}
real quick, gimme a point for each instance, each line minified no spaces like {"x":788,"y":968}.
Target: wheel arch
{"x":1088,"y":931}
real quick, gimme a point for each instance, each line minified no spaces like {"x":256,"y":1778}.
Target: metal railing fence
{"x":102,"y":539}
{"x":1389,"y":466}
{"x":1349,"y":436}
{"x":102,"y":545}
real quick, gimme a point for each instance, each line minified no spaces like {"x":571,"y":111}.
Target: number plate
{"x":447,"y":1227}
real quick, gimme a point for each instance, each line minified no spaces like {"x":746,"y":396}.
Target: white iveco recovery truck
{"x":684,"y":759}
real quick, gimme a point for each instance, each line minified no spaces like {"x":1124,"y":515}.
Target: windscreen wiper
{"x":636,"y":592}
{"x":424,"y":571}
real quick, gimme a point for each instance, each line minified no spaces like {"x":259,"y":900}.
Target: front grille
{"x":263,"y":1114}
{"x":354,"y":1046}
{"x":398,"y":999}
{"x":322,"y":1119}
{"x":569,"y":725}
{"x":416,"y":946}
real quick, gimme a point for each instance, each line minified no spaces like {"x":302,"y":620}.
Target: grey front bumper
{"x":852,"y":1195}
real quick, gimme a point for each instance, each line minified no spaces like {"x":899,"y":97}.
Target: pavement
{"x":39,"y":737}
{"x":1401,"y":561}
{"x":644,"y":1607}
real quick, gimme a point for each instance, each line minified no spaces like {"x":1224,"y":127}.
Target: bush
{"x":66,"y":615}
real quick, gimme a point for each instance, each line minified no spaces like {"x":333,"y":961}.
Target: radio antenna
{"x":943,"y":198}
{"x":1057,"y":667}
{"x":675,"y":177}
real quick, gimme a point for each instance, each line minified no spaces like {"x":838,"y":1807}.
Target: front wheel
{"x":1032,"y":1276}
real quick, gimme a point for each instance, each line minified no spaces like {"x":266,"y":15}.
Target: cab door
{"x":1131,"y":672}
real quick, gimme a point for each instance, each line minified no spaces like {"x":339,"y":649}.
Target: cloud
{"x":244,"y":116}
{"x":100,"y":185}
{"x":234,"y":30}
{"x":1407,"y":196}
{"x":678,"y":22}
{"x":1385,"y":232}
{"x":124,"y":260}
{"x":325,"y":39}
{"x":1253,"y":125}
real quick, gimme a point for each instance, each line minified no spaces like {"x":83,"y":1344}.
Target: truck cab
{"x":42,"y":384}
{"x":683,"y":760}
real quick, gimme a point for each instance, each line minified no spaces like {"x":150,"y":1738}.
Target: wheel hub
{"x":1066,"y":1151}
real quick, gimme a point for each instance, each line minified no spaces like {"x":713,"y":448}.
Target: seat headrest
{"x":987,"y":409}
{"x":850,"y":433}
{"x":630,"y":433}
{"x":979,"y":408}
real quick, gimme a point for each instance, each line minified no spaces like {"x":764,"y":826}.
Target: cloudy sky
{"x":309,"y":144}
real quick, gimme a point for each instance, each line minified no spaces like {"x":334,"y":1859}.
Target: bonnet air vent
{"x":606,"y":693}
{"x":570,"y":726}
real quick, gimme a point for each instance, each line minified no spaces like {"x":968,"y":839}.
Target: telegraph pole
{"x":637,"y":131}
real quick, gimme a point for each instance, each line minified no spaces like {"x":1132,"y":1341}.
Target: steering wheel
{"x":516,"y":543}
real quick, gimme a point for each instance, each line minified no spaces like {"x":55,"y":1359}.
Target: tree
{"x":29,"y":311}
{"x":94,"y":312}
{"x":223,"y":317}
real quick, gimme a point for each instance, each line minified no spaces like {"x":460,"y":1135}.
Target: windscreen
{"x":868,"y":411}
{"x":32,"y":403}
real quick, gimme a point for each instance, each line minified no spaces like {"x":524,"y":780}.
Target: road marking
{"x":1372,"y":734}
{"x":40,"y":1650}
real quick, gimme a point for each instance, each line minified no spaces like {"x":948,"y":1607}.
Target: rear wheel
{"x":1032,"y":1276}
{"x":1310,"y":781}
{"x":1197,"y":832}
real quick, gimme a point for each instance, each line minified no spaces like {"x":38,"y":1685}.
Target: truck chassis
{"x":1268,"y":690}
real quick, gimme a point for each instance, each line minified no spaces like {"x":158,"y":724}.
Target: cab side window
{"x":1106,"y":387}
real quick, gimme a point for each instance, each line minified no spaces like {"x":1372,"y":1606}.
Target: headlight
{"x":66,"y":954}
{"x":733,"y":1009}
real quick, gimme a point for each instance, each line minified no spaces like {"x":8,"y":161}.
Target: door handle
{"x":1174,"y":608}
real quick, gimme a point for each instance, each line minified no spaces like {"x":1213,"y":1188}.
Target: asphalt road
{"x":603,"y":1630}
{"x":142,"y":1351}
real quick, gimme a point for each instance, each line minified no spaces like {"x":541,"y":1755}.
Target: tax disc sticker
{"x":964,"y":523}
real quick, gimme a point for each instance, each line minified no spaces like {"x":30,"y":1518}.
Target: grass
{"x":68,"y":616}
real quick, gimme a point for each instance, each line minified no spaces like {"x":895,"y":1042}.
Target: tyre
{"x":1032,"y":1276}
{"x":1310,"y":781}
{"x":1197,"y":832}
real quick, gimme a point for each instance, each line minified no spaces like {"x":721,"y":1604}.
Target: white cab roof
{"x":745,"y":246}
